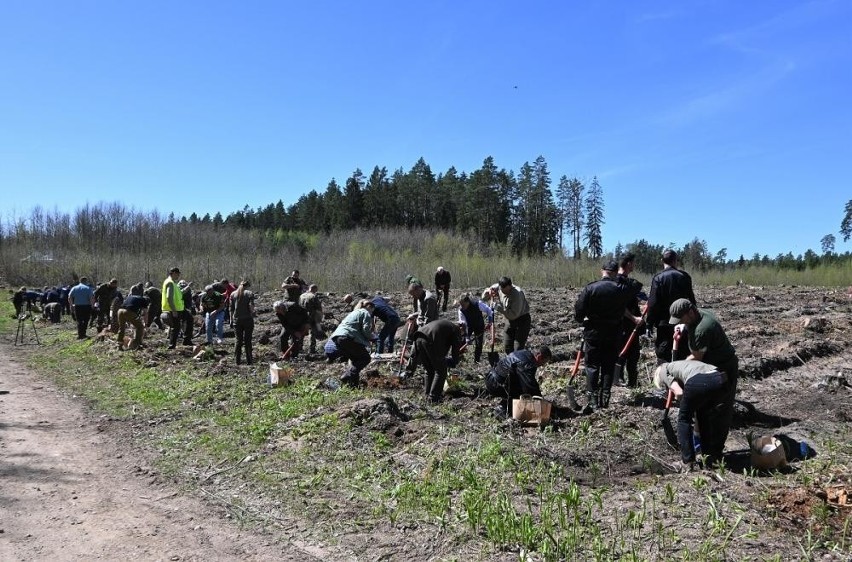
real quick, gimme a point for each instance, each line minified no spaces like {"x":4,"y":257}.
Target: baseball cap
{"x":610,"y":265}
{"x":678,"y":309}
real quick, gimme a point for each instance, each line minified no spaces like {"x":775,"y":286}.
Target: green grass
{"x":461,"y":478}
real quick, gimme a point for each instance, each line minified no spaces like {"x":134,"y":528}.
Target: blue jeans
{"x":217,"y":319}
{"x":387,"y":335}
{"x":702,"y":394}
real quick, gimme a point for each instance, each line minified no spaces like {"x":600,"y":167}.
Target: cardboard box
{"x":531,"y":409}
{"x":279,"y":375}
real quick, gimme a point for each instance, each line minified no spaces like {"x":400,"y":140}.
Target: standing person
{"x":213,"y":306}
{"x":104,"y":295}
{"x":294,"y":285}
{"x":132,"y":311}
{"x":471,"y":309}
{"x":295,"y":324}
{"x":228,"y":289}
{"x":442,"y":285}
{"x":633,"y":289}
{"x":63,"y":298}
{"x":666,"y":287}
{"x":18,"y":298}
{"x":510,"y":301}
{"x":174,"y":304}
{"x":155,"y":297}
{"x":432,"y":342}
{"x":81,"y":298}
{"x":514,"y":375}
{"x":242,"y":315}
{"x":352,"y":339}
{"x":386,"y":313}
{"x":425,"y":305}
{"x":709,"y":343}
{"x":311,"y":302}
{"x":600,"y":308}
{"x":703,"y":390}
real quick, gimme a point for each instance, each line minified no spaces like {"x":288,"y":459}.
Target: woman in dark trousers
{"x":242,"y":314}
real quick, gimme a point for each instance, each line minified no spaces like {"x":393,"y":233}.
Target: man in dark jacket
{"x":600,"y":308}
{"x":104,"y":295}
{"x":666,"y":287}
{"x":432,"y":343}
{"x":295,"y":325}
{"x":155,"y":297}
{"x":471,"y":309}
{"x":514,"y":374}
{"x":633,"y":288}
{"x":132,"y":311}
{"x":386,"y":313}
{"x":442,"y":286}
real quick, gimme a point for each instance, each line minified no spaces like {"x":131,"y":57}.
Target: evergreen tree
{"x":846,"y":223}
{"x":594,"y":211}
{"x":575,"y":215}
{"x":354,"y":199}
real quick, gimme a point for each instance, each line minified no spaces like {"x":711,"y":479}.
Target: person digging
{"x":514,"y":375}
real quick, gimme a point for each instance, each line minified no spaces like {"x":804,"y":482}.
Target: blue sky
{"x":726,"y":121}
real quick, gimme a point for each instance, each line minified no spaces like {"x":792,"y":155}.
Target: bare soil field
{"x":377,"y":474}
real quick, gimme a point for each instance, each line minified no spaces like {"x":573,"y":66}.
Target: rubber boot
{"x":604,"y":399}
{"x":592,"y":403}
{"x":238,"y":356}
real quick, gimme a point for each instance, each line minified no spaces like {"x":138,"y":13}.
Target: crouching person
{"x":432,"y":343}
{"x":295,"y":324}
{"x":132,"y":311}
{"x":514,"y":375}
{"x":702,"y":388}
{"x":352,"y":339}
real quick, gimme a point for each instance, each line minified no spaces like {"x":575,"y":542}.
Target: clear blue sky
{"x":729,"y":121}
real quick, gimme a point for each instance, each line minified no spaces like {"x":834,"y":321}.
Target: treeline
{"x":520,"y":210}
{"x":109,"y":239}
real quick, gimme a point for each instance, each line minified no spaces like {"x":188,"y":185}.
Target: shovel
{"x":572,"y":398}
{"x":493,"y":356}
{"x":399,"y":372}
{"x":671,"y":436}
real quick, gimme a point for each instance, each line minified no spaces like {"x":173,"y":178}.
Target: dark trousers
{"x":154,"y":316}
{"x":703,"y":396}
{"x":82,"y":312}
{"x":284,"y":342}
{"x":388,"y":334}
{"x":516,"y":333}
{"x":477,"y":346}
{"x":663,"y":344}
{"x":243,"y":330}
{"x":103,"y":315}
{"x":184,"y":318}
{"x":436,"y":369}
{"x":357,"y":355}
{"x":445,"y":290}
{"x":631,"y":360}
{"x":600,"y":354}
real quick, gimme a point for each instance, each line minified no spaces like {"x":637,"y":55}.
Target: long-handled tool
{"x":618,"y":372}
{"x":493,"y":356}
{"x":671,"y":436}
{"x":399,"y":372}
{"x":572,"y":398}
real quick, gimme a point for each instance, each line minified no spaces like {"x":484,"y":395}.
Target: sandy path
{"x":68,"y":493}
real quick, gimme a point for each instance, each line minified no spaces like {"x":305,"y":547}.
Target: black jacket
{"x":443,"y":337}
{"x":666,"y":287}
{"x":600,"y":307}
{"x":518,"y":368}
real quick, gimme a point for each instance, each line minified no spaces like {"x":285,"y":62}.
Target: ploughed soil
{"x":91,"y":484}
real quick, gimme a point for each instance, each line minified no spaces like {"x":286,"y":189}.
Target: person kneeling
{"x":514,"y":375}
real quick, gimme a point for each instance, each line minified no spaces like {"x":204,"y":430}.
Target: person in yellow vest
{"x":173,"y":304}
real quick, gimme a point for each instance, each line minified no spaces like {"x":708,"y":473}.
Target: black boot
{"x":593,"y":404}
{"x":604,"y":399}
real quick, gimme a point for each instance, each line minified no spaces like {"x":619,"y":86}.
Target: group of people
{"x":695,"y":358}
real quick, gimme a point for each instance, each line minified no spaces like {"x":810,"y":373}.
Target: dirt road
{"x":67,"y":492}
